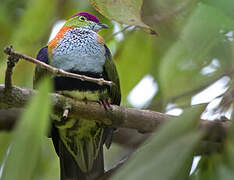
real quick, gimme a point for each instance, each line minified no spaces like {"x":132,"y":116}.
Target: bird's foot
{"x":106,"y":104}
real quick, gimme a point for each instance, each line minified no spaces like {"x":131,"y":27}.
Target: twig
{"x":58,"y":72}
{"x":11,"y":61}
{"x":118,"y":32}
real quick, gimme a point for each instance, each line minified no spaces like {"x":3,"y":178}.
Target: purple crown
{"x":88,"y":16}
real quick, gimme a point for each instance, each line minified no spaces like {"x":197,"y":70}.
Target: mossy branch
{"x":144,"y":121}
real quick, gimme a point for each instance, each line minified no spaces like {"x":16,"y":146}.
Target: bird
{"x":79,"y":49}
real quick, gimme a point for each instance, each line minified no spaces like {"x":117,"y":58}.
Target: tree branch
{"x":11,"y":60}
{"x":132,"y":140}
{"x":143,"y":121}
{"x":58,"y":72}
{"x":8,"y":117}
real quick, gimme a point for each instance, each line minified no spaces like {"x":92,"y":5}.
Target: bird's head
{"x":85,"y":20}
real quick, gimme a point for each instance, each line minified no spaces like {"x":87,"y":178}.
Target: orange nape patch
{"x":100,"y":39}
{"x":54,"y":42}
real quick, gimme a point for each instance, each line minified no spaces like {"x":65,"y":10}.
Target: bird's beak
{"x":103,"y":25}
{"x":99,"y":26}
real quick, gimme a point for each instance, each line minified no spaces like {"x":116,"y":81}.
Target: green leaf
{"x":218,"y":166}
{"x":48,"y":165}
{"x":225,"y":5}
{"x":224,"y":172}
{"x":122,"y":11}
{"x":180,"y":70}
{"x":206,"y":168}
{"x":28,"y":136}
{"x":5,"y":138}
{"x":134,"y":61}
{"x":34,"y":26}
{"x":168,"y":153}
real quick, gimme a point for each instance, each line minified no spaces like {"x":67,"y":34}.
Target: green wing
{"x":112,"y":74}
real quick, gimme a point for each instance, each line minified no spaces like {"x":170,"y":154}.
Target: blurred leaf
{"x":225,"y":5}
{"x":122,"y":11}
{"x":8,"y":21}
{"x":48,"y":164}
{"x":113,"y":155}
{"x":5,"y":138}
{"x":214,"y":167}
{"x":28,"y":136}
{"x":228,"y":155}
{"x":218,"y":166}
{"x":181,"y":66}
{"x":166,"y":154}
{"x":34,"y":23}
{"x":134,"y":61}
{"x":169,"y":17}
{"x":34,"y":26}
{"x":2,"y":72}
{"x":224,"y":173}
{"x":205,"y":168}
{"x":5,"y":29}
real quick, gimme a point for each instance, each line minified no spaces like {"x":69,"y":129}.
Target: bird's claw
{"x":106,"y":104}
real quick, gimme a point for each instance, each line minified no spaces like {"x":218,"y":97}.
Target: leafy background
{"x":192,"y":35}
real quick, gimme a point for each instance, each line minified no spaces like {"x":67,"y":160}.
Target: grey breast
{"x":79,"y":50}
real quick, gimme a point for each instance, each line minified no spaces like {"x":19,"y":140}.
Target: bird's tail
{"x":69,"y":168}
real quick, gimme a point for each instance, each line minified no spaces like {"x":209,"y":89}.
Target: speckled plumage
{"x":79,"y":50}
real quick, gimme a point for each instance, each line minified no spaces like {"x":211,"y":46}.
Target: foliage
{"x":124,"y":12}
{"x":28,"y":136}
{"x":192,"y":36}
{"x":164,"y":150}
